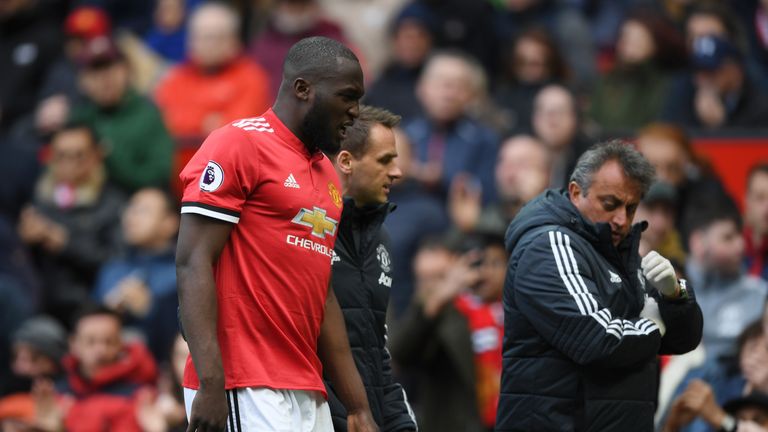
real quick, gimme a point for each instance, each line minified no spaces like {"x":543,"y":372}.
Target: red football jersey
{"x":272,"y":275}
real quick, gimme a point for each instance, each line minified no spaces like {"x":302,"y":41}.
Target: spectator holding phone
{"x":452,"y":334}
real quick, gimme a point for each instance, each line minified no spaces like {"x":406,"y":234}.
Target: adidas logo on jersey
{"x":291,"y":182}
{"x":614,"y":277}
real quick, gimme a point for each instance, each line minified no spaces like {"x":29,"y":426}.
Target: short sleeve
{"x":220,"y":176}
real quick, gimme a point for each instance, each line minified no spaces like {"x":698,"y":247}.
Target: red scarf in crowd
{"x":486,"y":326}
{"x":756,"y":252}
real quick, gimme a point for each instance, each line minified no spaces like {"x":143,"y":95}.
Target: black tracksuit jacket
{"x":362,"y":278}
{"x":577,"y":356}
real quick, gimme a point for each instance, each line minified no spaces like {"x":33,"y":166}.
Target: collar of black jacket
{"x":554,"y":207}
{"x":366,"y":212}
{"x":596,"y":233}
{"x":599,"y":234}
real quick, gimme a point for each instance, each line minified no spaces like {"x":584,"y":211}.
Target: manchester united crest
{"x":382,"y":254}
{"x":334,"y":193}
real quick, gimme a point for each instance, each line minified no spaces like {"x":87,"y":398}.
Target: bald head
{"x":215,"y":14}
{"x":450,"y":83}
{"x":522,"y":170}
{"x":525,"y":145}
{"x":555,"y":96}
{"x":213,"y":35}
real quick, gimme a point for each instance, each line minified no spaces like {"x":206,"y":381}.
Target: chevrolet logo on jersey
{"x":317,"y":220}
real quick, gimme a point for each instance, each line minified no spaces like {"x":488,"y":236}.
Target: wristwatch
{"x":683,"y":289}
{"x":729,"y":424}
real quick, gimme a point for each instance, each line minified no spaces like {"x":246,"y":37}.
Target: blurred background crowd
{"x":102,"y":102}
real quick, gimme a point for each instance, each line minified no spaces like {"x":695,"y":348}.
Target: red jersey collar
{"x":285,"y":134}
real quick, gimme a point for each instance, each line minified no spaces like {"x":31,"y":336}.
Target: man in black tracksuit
{"x":585,"y":316}
{"x":362,"y":266}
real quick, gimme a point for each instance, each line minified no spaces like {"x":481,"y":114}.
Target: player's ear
{"x":344,"y":162}
{"x":302,"y":88}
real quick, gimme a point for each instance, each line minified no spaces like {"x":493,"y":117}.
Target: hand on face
{"x":460,"y":276}
{"x":709,"y":107}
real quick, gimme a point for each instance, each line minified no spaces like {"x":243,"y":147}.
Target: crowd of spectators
{"x":102,"y":102}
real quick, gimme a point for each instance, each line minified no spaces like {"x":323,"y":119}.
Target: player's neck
{"x":291,"y":118}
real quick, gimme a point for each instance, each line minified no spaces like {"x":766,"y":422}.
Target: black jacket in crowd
{"x":362,"y":278}
{"x":576,"y":355}
{"x":94,"y":234}
{"x":30,"y":41}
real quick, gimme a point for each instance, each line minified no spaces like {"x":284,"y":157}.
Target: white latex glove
{"x":660,"y":273}
{"x":651,"y":312}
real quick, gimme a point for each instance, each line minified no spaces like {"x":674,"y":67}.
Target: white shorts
{"x":263,"y":409}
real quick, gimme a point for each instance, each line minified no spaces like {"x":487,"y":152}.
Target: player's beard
{"x":318,"y":129}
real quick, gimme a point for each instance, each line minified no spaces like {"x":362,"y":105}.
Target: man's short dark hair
{"x":635,"y":166}
{"x":170,"y":202}
{"x":709,"y":210}
{"x":479,"y":239}
{"x":315,"y":57}
{"x":94,"y":309}
{"x":433,"y":242}
{"x":760,"y":168}
{"x":79,"y":126}
{"x":720,"y":11}
{"x":356,"y":141}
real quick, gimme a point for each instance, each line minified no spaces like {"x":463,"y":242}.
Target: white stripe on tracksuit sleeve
{"x":559,"y":299}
